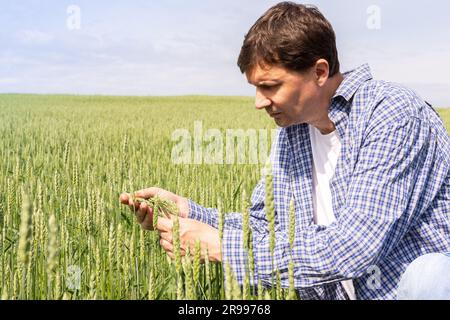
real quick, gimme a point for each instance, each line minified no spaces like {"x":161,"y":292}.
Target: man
{"x":367,"y":163}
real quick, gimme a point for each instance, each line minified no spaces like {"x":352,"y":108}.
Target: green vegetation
{"x":64,"y":162}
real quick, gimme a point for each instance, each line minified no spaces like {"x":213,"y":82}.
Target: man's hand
{"x":190,"y":231}
{"x":144,"y":214}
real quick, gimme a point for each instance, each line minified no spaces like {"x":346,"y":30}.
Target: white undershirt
{"x":325,"y":149}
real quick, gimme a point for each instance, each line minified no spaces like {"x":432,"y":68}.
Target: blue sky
{"x":176,"y":47}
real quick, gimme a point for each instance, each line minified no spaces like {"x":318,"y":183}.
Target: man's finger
{"x":141,"y":212}
{"x":149,"y":192}
{"x":171,"y":255}
{"x":166,"y":236}
{"x":147,"y":222}
{"x":124,"y":198}
{"x":164,"y":224}
{"x":166,"y":245}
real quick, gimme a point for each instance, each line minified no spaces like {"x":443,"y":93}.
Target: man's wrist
{"x":216,"y":256}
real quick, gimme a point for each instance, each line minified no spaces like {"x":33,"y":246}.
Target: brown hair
{"x":292,"y":35}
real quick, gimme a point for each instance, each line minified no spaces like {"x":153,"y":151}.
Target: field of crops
{"x":64,"y":162}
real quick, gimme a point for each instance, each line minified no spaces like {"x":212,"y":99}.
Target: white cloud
{"x":178,"y":48}
{"x":5,"y":81}
{"x":34,"y":37}
{"x":424,"y":69}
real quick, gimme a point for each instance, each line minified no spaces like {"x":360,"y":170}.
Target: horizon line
{"x":142,"y":96}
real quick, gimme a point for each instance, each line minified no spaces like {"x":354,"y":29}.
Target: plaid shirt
{"x":390,"y":196}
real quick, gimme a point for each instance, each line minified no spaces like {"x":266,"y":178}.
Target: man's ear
{"x":322,"y":72}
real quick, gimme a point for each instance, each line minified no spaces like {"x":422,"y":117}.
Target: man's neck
{"x":325,"y":125}
{"x":334,"y":84}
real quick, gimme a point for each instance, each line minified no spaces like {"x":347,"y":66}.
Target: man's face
{"x":289,"y":97}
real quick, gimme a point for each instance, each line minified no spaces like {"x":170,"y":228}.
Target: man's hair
{"x":291,"y":35}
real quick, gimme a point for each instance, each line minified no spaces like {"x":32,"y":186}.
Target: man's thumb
{"x":148,"y":192}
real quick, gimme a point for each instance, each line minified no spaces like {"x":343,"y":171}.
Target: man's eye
{"x":267,"y":87}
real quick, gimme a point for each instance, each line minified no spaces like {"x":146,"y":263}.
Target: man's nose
{"x":261,"y":102}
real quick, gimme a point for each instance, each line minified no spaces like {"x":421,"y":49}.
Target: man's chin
{"x":282,"y":122}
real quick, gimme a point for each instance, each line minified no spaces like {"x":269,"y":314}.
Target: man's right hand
{"x":144,"y":214}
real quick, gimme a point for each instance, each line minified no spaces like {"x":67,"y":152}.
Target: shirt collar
{"x":352,"y":81}
{"x":339,"y":109}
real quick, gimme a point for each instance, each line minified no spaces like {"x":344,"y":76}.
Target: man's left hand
{"x":190,"y":231}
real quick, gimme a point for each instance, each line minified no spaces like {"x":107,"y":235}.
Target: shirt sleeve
{"x":391,"y":185}
{"x":232,"y":248}
{"x":211,"y":216}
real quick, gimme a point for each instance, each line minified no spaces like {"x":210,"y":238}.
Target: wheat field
{"x":64,"y":162}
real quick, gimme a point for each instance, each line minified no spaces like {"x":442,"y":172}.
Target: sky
{"x":176,"y":47}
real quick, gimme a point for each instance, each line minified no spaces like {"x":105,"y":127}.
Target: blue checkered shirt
{"x":390,"y":195}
